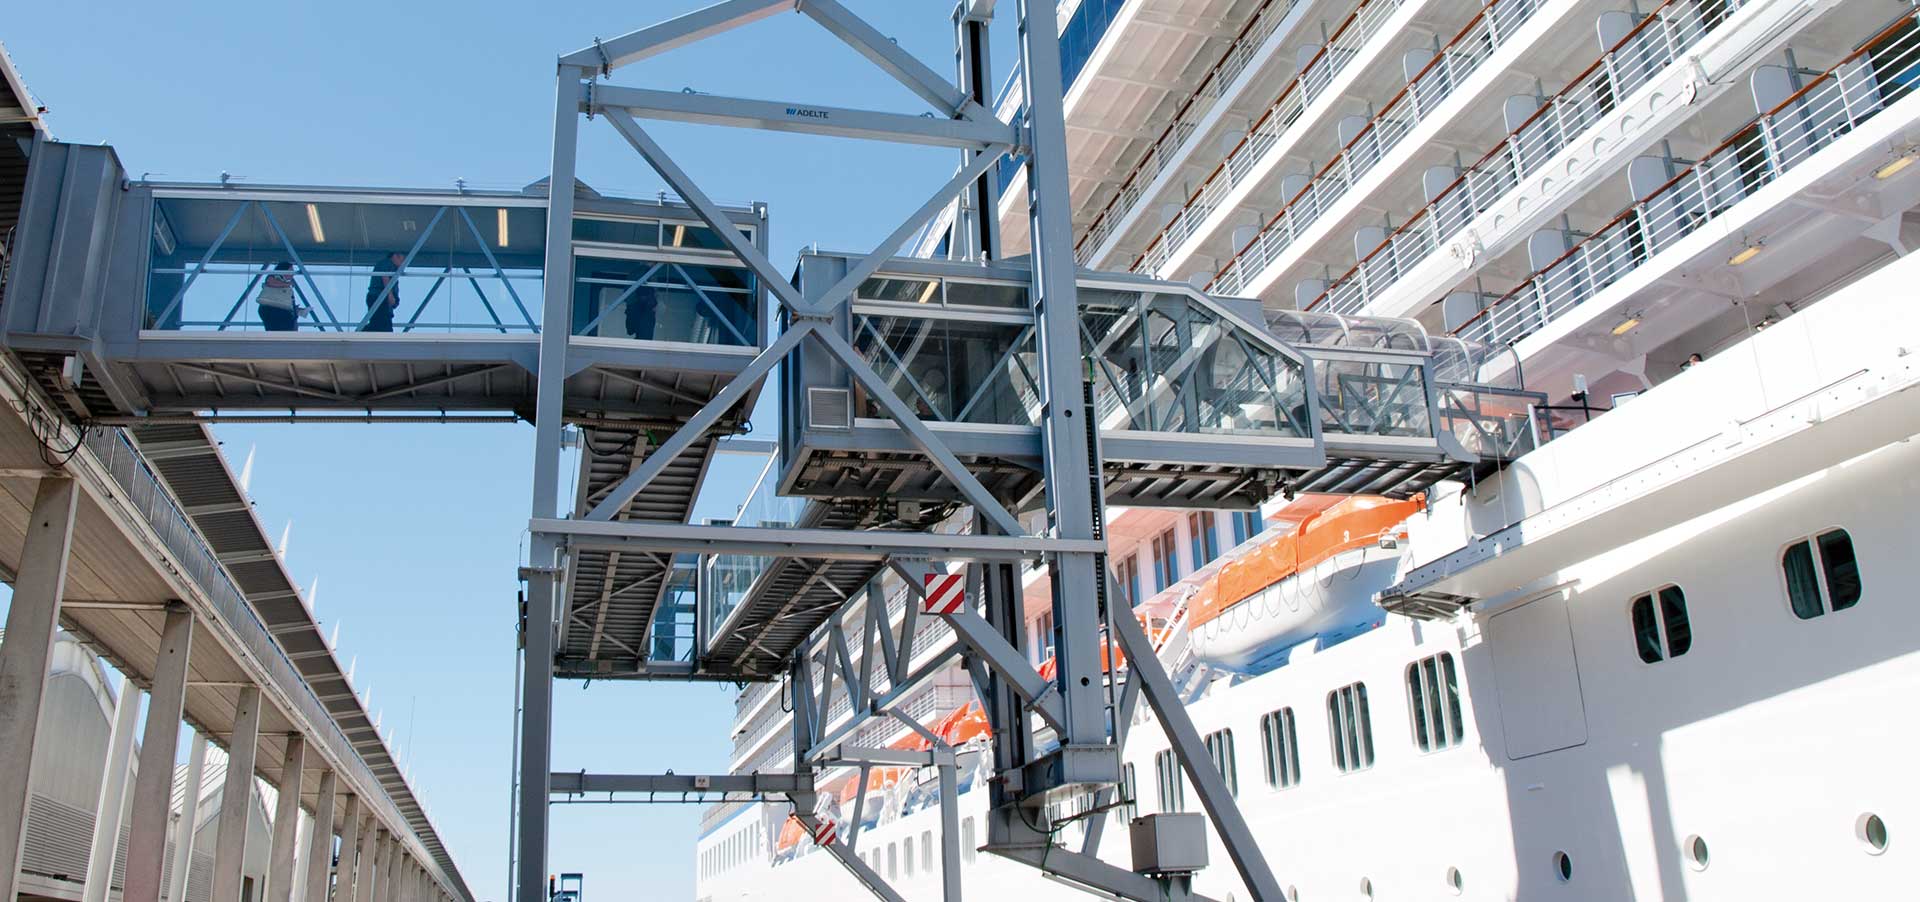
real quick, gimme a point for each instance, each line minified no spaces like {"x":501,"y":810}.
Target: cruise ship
{"x":1641,"y":657}
{"x":1305,"y":449}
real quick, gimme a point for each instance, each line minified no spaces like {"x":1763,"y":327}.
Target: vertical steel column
{"x":320,"y":841}
{"x":543,"y":584}
{"x":286,"y":821}
{"x":230,"y":846}
{"x":112,"y":801}
{"x":976,"y":231}
{"x":153,"y":787}
{"x":1072,"y":466}
{"x":32,"y":621}
{"x":949,"y":825}
{"x":346,"y":883}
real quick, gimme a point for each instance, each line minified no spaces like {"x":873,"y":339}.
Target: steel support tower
{"x":1087,"y":711}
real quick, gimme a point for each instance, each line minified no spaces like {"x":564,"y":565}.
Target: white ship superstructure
{"x":1659,"y":655}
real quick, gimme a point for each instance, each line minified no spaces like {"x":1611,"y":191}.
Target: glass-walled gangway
{"x":1201,"y":401}
{"x":234,"y":296}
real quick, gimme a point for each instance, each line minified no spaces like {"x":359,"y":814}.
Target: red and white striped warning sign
{"x":946,"y":593}
{"x":827,"y":833}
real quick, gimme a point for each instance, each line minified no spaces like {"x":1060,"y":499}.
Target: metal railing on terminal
{"x":1484,"y":34}
{"x":1186,"y":118}
{"x":1654,"y":42}
{"x":1881,"y":71}
{"x":1342,"y":46}
{"x":240,"y":260}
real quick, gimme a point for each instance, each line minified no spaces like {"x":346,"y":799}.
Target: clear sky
{"x":414,"y":532}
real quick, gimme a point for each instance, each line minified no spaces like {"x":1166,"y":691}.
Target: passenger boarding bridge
{"x":909,"y":390}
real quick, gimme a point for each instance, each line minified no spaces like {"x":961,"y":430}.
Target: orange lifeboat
{"x":1319,"y":576}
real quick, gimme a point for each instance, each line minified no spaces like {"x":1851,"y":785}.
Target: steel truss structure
{"x":1086,"y":710}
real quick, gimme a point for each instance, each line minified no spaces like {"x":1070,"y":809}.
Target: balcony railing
{"x":1342,"y":46}
{"x":1212,"y":87}
{"x":1652,"y":44}
{"x":1883,"y":70}
{"x":1487,"y":32}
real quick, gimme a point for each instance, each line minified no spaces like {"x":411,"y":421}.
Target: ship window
{"x":907,"y":866}
{"x":1173,"y":792}
{"x":1280,"y":745}
{"x":893,"y":861}
{"x":1246,"y":525}
{"x":926,"y":850}
{"x":1166,"y":561}
{"x":1129,"y":798}
{"x":1351,"y":728}
{"x":1661,"y":628}
{"x":1203,"y":541}
{"x":967,"y":850}
{"x":1433,"y":696}
{"x":1832,"y":583}
{"x":1129,"y":579}
{"x":1220,"y":749}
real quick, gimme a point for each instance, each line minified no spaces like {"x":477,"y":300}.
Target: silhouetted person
{"x":277,"y":309}
{"x":642,"y":312}
{"x":385,"y":273}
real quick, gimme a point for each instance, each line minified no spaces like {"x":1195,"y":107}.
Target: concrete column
{"x":31,"y":623}
{"x":286,"y":821}
{"x":389,"y":869}
{"x":369,"y":863}
{"x":153,"y":787}
{"x":301,"y":843}
{"x":320,"y":841}
{"x":343,"y":878}
{"x":236,"y":797}
{"x":183,"y":823}
{"x":112,"y":801}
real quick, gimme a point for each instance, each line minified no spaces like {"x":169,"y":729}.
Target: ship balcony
{"x":225,"y":297}
{"x":1276,"y":224}
{"x":1256,"y":65}
{"x":1476,"y":212}
{"x":1303,"y":77}
{"x":1791,"y":205}
{"x":1123,"y":62}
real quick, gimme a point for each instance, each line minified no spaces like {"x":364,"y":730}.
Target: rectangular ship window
{"x":1351,"y":727}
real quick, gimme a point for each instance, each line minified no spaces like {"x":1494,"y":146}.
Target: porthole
{"x":1293,"y":894}
{"x":1455,"y":883}
{"x":1563,"y":866}
{"x":1695,"y":850}
{"x":1872,"y":832}
{"x":1366,"y":888}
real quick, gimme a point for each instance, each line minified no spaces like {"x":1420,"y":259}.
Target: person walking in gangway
{"x":277,"y":309}
{"x":385,"y":273}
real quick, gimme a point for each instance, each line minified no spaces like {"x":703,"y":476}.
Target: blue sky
{"x":414,"y":532}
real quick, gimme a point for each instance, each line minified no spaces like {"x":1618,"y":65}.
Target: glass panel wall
{"x":1163,"y":362}
{"x":222,"y":265}
{"x":271,"y":264}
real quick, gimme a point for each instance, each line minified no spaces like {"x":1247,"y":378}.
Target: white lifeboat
{"x":1315,"y":578}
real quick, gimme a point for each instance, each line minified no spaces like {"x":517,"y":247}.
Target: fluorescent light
{"x":1627,"y":325}
{"x":1892,"y":169}
{"x":503,"y":226}
{"x":313,"y":221}
{"x":1746,"y":253}
{"x":679,"y":236}
{"x":927,"y":295}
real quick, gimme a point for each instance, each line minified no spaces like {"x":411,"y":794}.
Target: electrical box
{"x":1169,"y":843}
